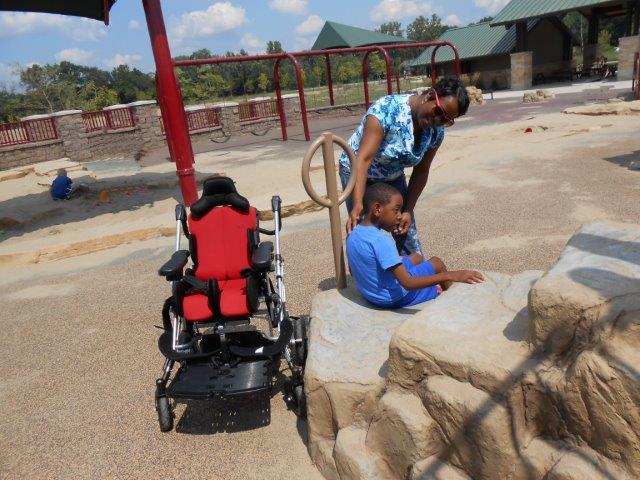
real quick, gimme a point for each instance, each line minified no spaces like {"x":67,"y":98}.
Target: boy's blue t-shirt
{"x":371,"y":253}
{"x":61,"y":187}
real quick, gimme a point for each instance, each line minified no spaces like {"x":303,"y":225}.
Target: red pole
{"x":387,"y":64}
{"x":303,"y":105}
{"x":398,"y":83}
{"x":365,"y":78}
{"x":329,"y":79}
{"x":279,"y":102}
{"x":171,"y":105}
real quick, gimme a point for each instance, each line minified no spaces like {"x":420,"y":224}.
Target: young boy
{"x":62,"y":187}
{"x":382,"y":276}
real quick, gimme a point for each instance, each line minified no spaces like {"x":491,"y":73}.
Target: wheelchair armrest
{"x":172,"y":270}
{"x":261,"y":258}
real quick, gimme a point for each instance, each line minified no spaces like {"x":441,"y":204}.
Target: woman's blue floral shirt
{"x":396,"y":150}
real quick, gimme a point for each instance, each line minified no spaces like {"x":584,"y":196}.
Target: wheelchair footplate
{"x":206,"y":379}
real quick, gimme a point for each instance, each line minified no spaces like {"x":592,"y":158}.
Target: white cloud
{"x":302,"y":43}
{"x":297,"y":7}
{"x":74,"y":55}
{"x":388,"y":10}
{"x":452,"y":20}
{"x":251,"y":43}
{"x":491,"y":6}
{"x":218,"y":17}
{"x":313,"y":24}
{"x":79,"y":29}
{"x":122,"y":59}
{"x":134,"y":25}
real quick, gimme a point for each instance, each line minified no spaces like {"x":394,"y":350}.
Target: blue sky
{"x":218,"y":25}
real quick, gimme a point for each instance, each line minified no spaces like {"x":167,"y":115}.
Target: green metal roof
{"x":337,"y":35}
{"x":473,"y":41}
{"x":519,"y":10}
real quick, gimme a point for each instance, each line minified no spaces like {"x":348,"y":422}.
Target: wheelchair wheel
{"x":301,"y":331}
{"x":165,"y":415}
{"x":300,"y":401}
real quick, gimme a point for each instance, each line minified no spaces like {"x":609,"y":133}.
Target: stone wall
{"x":21,"y":155}
{"x":114,"y":143}
{"x":78,"y":145}
{"x":628,"y":46}
{"x":521,"y":70}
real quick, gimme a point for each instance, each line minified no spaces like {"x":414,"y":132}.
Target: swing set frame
{"x":168,"y":89}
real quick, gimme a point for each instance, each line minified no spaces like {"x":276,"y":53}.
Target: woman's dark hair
{"x":451,"y":86}
{"x":379,"y":192}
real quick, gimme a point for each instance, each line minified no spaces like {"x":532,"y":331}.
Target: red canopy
{"x":96,"y":9}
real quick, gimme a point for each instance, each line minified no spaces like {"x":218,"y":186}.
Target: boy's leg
{"x":440,"y":267}
{"x":413,"y":297}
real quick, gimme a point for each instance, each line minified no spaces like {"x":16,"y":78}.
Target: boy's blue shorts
{"x":413,"y":297}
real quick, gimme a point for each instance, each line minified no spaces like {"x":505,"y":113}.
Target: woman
{"x":400,"y":131}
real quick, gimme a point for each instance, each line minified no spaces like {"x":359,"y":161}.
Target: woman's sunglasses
{"x":445,"y":119}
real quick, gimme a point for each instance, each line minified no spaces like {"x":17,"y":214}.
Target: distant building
{"x":337,"y":35}
{"x":485,"y":52}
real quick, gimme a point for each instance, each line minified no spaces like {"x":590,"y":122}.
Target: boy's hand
{"x":403,"y":225}
{"x":354,"y":218}
{"x":466,"y":276}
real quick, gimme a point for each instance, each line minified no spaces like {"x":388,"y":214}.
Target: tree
{"x":424,"y":30}
{"x":482,"y":20}
{"x":391,"y":28}
{"x":274,"y":46}
{"x":377,"y":66}
{"x":263,"y":82}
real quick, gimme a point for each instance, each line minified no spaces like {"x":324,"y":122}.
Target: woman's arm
{"x":371,"y":139}
{"x":417,"y":182}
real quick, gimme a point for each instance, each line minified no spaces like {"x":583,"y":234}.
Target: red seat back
{"x":222,"y":249}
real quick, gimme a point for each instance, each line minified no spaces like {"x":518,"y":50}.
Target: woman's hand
{"x":354,"y":218}
{"x":403,"y":224}
{"x":466,"y":276}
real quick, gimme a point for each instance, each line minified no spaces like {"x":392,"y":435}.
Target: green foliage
{"x":274,"y":46}
{"x":423,"y":29}
{"x":482,"y":20}
{"x":263,"y":82}
{"x":391,"y":28}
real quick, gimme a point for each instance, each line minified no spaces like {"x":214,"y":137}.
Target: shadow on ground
{"x":36,"y":211}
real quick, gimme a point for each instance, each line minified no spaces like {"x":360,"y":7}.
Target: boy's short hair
{"x":378,"y":193}
{"x":62,"y":172}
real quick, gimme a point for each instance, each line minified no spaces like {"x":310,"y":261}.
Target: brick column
{"x":145,"y":116}
{"x":228,"y":114}
{"x":291,"y":103}
{"x":74,"y":138}
{"x":521,"y":70}
{"x":628,"y":46}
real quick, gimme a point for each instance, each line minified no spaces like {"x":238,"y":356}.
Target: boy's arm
{"x":424,"y":281}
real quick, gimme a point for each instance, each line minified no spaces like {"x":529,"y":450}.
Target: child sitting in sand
{"x":62,"y":187}
{"x":382,"y":276}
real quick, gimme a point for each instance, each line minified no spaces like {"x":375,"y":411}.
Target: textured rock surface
{"x":618,"y":108}
{"x":537,"y":96}
{"x":529,"y":376}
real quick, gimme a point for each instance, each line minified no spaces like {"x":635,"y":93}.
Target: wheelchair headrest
{"x":218,"y":192}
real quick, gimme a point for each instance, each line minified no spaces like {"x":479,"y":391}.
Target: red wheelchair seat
{"x":221,"y":249}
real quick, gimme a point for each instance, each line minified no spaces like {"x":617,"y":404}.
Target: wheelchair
{"x":210,"y":320}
